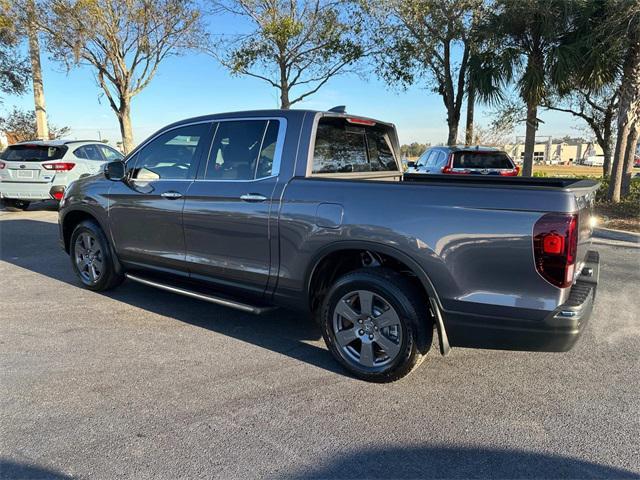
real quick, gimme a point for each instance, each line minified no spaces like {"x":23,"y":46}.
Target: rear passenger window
{"x":341,"y":147}
{"x":243,"y":150}
{"x":442,"y":160}
{"x":424,"y":158}
{"x":88,"y":152}
{"x":172,"y":155}
{"x":110,"y":154}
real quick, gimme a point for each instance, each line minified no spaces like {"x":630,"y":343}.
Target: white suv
{"x":41,"y":170}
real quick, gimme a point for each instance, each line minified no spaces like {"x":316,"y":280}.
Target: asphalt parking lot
{"x":139,"y":383}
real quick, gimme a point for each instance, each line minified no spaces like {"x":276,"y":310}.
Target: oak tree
{"x":123,"y":41}
{"x":296,"y":46}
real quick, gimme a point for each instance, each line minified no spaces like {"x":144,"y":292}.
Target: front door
{"x":146,"y":209}
{"x":229,"y":214}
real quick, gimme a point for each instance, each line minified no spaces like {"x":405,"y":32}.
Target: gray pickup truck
{"x":311,"y":211}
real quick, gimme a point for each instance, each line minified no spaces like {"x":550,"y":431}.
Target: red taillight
{"x":58,"y":195}
{"x":509,"y":173}
{"x":2,"y":165}
{"x":59,"y":166}
{"x":555,"y":244}
{"x":449,"y":166}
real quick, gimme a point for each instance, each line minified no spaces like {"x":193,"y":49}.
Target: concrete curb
{"x":618,"y":235}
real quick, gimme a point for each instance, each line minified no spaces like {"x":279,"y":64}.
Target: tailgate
{"x":585,"y":194}
{"x":29,"y":172}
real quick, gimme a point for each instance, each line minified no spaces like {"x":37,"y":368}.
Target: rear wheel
{"x":91,"y":257}
{"x":15,"y":204}
{"x":376,"y":323}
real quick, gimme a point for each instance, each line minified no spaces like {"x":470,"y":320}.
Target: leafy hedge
{"x":629,"y":207}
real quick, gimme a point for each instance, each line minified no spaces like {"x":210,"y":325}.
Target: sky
{"x":195,"y":84}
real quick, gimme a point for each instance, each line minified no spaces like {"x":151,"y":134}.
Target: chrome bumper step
{"x":218,"y":300}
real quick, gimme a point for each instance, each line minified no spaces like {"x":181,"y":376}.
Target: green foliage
{"x":528,"y":36}
{"x":22,"y":125}
{"x":416,"y":42}
{"x":414,"y":149}
{"x":14,"y":68}
{"x":633,"y":197}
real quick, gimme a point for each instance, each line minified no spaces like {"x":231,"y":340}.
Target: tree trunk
{"x":471,"y":103}
{"x":284,"y":88}
{"x":284,"y":99}
{"x":606,"y":166}
{"x":627,"y":110}
{"x":42,"y":128}
{"x":615,"y":182}
{"x":607,"y":143}
{"x":632,"y":145}
{"x":126,"y":131}
{"x":530,"y":139}
{"x":452,"y":139}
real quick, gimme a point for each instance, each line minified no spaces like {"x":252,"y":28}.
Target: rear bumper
{"x":557,"y":332}
{"x":27,"y":191}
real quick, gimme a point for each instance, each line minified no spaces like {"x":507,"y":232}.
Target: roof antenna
{"x":339,"y":109}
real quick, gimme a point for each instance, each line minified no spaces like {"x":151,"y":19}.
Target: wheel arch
{"x":74,"y":217}
{"x":332,"y":252}
{"x":402,"y":258}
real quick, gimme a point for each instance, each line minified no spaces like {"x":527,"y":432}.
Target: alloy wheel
{"x":88,"y":258}
{"x":367,"y":329}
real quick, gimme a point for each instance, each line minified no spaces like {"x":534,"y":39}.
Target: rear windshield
{"x":481,"y":160}
{"x":32,"y":153}
{"x":342,"y":147}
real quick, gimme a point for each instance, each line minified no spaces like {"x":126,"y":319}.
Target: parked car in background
{"x":41,"y":170}
{"x":593,"y":161}
{"x":464,"y":161}
{"x":310,"y":210}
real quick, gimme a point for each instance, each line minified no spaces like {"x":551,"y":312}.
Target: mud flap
{"x":443,"y":341}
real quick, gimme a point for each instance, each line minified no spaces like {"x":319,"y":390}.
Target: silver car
{"x":41,"y":170}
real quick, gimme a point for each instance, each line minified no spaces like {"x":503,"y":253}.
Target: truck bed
{"x":503,"y":182}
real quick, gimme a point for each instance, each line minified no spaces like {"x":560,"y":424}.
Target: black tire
{"x":96,"y":270}
{"x":393,"y":296}
{"x":15,"y":204}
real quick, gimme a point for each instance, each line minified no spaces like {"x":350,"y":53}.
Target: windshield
{"x":32,"y":153}
{"x":482,"y":160}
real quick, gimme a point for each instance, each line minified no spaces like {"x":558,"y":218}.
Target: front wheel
{"x":91,"y":257}
{"x":376,"y":323}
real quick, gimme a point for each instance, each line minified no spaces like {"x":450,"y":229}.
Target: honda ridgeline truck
{"x":311,"y":211}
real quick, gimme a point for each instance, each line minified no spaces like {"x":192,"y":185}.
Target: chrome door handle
{"x":171,"y":195}
{"x":252,"y":197}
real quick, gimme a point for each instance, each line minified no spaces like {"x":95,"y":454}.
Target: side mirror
{"x":411,"y":164}
{"x":115,"y":171}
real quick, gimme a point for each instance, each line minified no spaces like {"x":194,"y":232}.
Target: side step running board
{"x":225,"y":302}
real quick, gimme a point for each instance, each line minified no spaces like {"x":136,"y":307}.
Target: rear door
{"x":146,"y":209}
{"x":22,"y":163}
{"x":91,"y":156}
{"x":228,"y":208}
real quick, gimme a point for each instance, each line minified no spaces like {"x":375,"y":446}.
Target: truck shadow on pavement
{"x":15,"y":470}
{"x":33,"y":245}
{"x":460,"y":463}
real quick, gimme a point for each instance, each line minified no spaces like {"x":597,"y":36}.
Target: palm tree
{"x":526,"y":47}
{"x":603,"y":53}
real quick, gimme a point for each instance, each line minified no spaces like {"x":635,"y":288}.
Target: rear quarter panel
{"x":474,"y":243}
